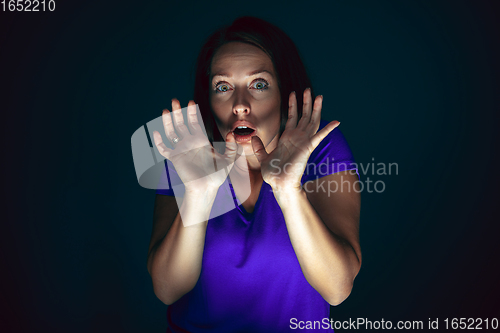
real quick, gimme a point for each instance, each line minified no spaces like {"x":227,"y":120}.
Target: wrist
{"x":288,"y":194}
{"x":200,"y":191}
{"x":201,"y":197}
{"x":195,"y":206}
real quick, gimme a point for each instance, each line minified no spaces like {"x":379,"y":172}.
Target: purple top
{"x":251,"y":280}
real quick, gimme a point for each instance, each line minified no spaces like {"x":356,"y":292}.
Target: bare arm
{"x":178,"y":238}
{"x":322,"y":225}
{"x":175,"y":251}
{"x":324,"y":232}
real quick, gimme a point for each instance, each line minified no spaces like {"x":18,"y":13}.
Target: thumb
{"x":231,"y":147}
{"x":258,"y":148}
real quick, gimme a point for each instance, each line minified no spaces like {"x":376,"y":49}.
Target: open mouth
{"x":243,"y":133}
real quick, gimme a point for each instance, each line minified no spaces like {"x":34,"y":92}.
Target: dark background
{"x":413,"y":82}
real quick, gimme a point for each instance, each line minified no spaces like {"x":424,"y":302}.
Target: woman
{"x":291,"y":249}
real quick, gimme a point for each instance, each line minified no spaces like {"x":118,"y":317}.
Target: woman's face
{"x":244,"y":95}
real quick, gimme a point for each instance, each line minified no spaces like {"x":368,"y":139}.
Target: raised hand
{"x":284,"y":166}
{"x":193,"y":156}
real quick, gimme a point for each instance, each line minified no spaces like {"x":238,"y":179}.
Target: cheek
{"x":221,"y":116}
{"x":274,"y":109}
{"x":216,"y":106}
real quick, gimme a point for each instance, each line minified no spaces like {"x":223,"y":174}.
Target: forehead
{"x":236,"y":57}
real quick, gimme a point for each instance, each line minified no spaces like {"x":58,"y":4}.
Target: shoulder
{"x":332,"y":155}
{"x":333,"y":145}
{"x":335,"y":141}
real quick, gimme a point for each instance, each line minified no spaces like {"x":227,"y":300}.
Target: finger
{"x":291,"y":123}
{"x":306,"y":109}
{"x":318,"y":137}
{"x":231,"y":147}
{"x":192,"y":116}
{"x":178,"y":119}
{"x":168,"y":126}
{"x":316,"y":115}
{"x":258,"y":148}
{"x":162,"y":149}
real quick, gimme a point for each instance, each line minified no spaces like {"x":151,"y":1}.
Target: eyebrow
{"x":249,"y":74}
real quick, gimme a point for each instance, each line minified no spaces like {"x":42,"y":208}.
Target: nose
{"x":240,"y":109}
{"x":241,"y":104}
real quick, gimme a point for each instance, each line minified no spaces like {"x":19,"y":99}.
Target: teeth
{"x":242,"y":127}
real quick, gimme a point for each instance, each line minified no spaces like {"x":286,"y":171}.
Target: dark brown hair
{"x":291,"y":72}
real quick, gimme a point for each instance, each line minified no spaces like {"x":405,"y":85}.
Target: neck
{"x":250,"y":163}
{"x":246,"y":180}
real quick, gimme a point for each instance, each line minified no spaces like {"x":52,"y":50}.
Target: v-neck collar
{"x":239,"y":205}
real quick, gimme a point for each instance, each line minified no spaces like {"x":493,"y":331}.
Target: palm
{"x":197,"y":163}
{"x":286,"y":161}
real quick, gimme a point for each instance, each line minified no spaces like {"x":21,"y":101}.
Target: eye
{"x":222,"y":87}
{"x":260,"y":84}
